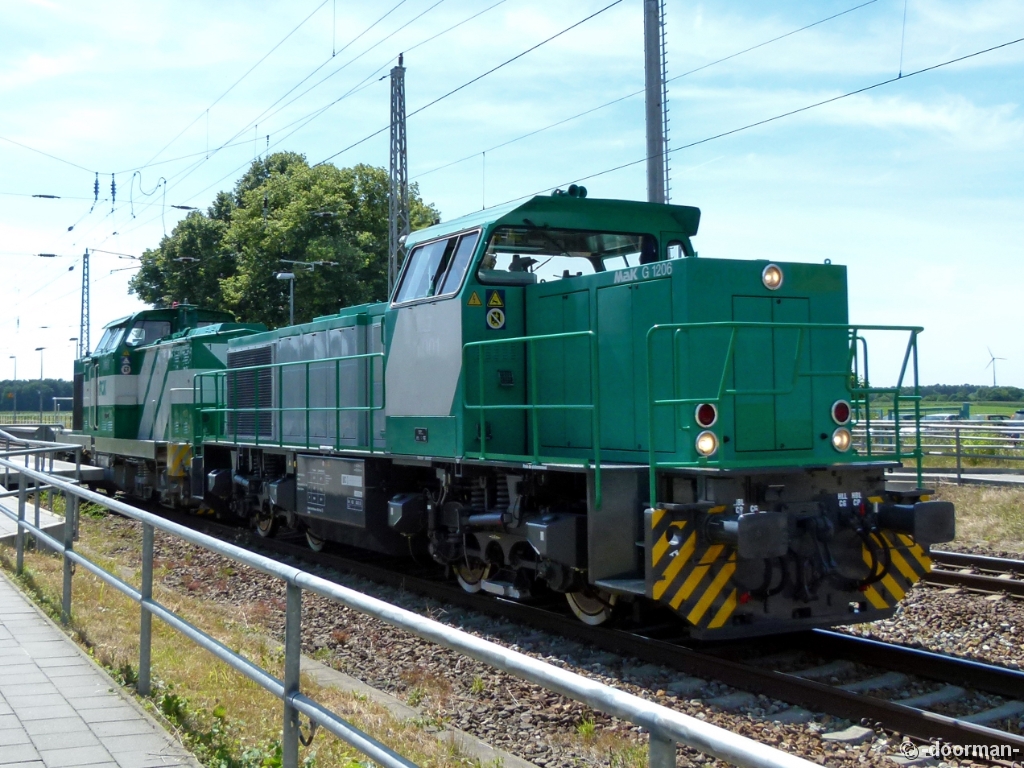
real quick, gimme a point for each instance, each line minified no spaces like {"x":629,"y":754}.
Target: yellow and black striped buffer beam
{"x":689,"y":575}
{"x":908,"y":564}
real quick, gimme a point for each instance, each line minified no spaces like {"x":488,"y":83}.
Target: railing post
{"x":70,"y":509}
{"x":292,"y":658}
{"x":661,"y":752}
{"x":36,"y":493}
{"x":74,"y":498}
{"x":146,"y":618}
{"x":19,"y":537}
{"x":50,"y":494}
{"x":959,"y":455}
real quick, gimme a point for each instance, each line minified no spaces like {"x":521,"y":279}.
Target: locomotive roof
{"x":173,"y":314}
{"x":565,"y":212}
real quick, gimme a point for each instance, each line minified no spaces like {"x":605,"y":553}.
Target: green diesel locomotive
{"x":558,"y":396}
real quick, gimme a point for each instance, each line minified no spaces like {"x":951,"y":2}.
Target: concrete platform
{"x":48,"y":521}
{"x":58,"y":709}
{"x":65,"y":469}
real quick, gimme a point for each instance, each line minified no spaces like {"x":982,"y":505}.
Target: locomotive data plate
{"x":332,"y":489}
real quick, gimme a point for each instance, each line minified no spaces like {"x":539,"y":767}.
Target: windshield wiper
{"x":544,"y":233}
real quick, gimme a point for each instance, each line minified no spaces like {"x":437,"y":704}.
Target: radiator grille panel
{"x":251,"y":389}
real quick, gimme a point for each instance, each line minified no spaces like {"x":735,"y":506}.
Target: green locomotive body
{"x":561,"y":396}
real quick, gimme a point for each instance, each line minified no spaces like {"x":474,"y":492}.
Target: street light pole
{"x":40,"y":351}
{"x":290,"y":277}
{"x":14,"y":419}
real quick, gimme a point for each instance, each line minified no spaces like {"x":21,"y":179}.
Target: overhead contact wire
{"x":790,"y":113}
{"x":637,"y":93}
{"x":479,"y":77}
{"x":239,"y":80}
{"x":311,"y":116}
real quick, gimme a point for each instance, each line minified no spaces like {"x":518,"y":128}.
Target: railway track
{"x":977,"y":573}
{"x":861,"y":700}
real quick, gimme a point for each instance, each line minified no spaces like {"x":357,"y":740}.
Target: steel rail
{"x":983,"y":562}
{"x":954,"y":670}
{"x":978,"y":582}
{"x":975,"y":582}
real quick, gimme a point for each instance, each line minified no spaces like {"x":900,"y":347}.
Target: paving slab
{"x":48,"y":522}
{"x":58,"y":709}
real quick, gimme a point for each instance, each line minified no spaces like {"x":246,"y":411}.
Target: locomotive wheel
{"x":266,"y":526}
{"x":592,"y":606}
{"x":315,"y":542}
{"x":470,"y":578}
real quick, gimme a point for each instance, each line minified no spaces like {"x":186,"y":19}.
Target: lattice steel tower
{"x":398,"y":192}
{"x":657,"y":101}
{"x":83,"y":328}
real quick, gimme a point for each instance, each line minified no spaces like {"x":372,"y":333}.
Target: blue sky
{"x":917,"y":186}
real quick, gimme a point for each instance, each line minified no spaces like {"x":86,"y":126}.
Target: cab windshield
{"x":111,"y":338}
{"x":524,"y":255}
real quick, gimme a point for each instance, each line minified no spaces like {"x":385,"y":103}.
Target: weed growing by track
{"x":986,"y":516}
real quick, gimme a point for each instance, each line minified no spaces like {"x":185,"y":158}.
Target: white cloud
{"x":954,"y":116}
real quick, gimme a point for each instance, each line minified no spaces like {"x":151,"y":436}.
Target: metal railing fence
{"x":667,"y":727}
{"x":10,"y":418}
{"x":229,"y":377}
{"x":978,"y":443}
{"x":853,"y":377}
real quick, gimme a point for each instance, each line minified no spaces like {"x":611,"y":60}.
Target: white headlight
{"x":706,"y":443}
{"x":841,"y":439}
{"x":772,"y":277}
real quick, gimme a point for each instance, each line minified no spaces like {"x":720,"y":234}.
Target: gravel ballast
{"x":546,"y":728}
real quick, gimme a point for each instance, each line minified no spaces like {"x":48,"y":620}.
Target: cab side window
{"x":461,"y":259}
{"x":436,"y":268}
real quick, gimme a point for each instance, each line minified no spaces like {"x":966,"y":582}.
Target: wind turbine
{"x":992,"y":362}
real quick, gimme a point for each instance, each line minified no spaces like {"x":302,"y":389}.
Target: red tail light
{"x":840,"y":412}
{"x":706,"y":415}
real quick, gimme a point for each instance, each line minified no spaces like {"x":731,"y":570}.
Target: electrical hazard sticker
{"x":495,"y":319}
{"x":474,"y":300}
{"x":496,"y":299}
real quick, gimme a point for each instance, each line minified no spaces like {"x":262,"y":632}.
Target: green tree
{"x":281,"y":210}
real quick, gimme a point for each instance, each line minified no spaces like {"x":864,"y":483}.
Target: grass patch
{"x":220,"y":716}
{"x":987,"y":516}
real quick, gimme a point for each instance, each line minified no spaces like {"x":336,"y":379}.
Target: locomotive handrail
{"x":533,"y":407}
{"x":666,"y":727}
{"x":220,"y":383}
{"x":849,"y":375}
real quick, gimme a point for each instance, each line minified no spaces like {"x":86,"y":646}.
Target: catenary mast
{"x":83,"y":327}
{"x":656,"y":101}
{"x":398,"y":193}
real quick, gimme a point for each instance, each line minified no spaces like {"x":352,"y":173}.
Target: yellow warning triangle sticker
{"x":495,"y":300}
{"x":474,"y":300}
